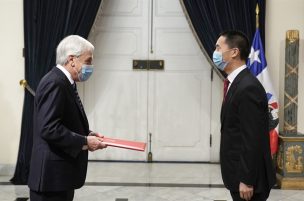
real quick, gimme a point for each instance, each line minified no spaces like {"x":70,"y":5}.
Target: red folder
{"x":126,"y":144}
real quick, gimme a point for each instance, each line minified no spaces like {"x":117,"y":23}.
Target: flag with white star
{"x":258,"y":67}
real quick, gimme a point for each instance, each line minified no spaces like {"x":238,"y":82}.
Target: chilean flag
{"x":258,"y":67}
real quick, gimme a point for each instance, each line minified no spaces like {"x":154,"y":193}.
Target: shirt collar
{"x":235,"y":73}
{"x":67,"y":73}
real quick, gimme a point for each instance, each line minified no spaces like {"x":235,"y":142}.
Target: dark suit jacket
{"x":58,"y":162}
{"x":245,"y":149}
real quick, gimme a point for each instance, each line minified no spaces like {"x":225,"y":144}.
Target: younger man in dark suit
{"x":245,"y":157}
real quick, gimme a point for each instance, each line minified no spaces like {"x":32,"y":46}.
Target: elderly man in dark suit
{"x":245,"y":157}
{"x":61,"y":131}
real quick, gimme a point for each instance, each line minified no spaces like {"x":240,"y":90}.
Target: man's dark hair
{"x":237,"y":39}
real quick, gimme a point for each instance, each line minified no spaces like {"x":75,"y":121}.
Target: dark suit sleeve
{"x":252,"y":111}
{"x":50,"y":104}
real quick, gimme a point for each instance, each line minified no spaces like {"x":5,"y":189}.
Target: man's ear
{"x":71,"y":60}
{"x":236,"y":53}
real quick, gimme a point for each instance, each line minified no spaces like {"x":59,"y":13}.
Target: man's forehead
{"x":221,"y":42}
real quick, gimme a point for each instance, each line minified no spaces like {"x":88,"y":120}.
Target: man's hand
{"x":95,"y":143}
{"x":96,"y":134}
{"x":246,"y":192}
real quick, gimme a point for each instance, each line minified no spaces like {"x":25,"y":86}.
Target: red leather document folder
{"x":126,"y":144}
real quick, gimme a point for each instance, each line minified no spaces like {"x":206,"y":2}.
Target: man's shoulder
{"x":53,"y":74}
{"x":249,"y":82}
{"x":248,"y":79}
{"x":50,"y":80}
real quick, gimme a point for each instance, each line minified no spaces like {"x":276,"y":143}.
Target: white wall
{"x":283,"y":15}
{"x":11,"y":71}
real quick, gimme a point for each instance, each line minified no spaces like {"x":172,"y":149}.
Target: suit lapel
{"x":72,"y":93}
{"x":231,"y":92}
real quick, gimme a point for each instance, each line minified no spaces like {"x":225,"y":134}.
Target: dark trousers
{"x":256,"y":196}
{"x":52,"y":196}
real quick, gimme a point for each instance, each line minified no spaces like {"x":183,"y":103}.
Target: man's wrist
{"x":92,"y":133}
{"x":248,"y":185}
{"x":85,"y":143}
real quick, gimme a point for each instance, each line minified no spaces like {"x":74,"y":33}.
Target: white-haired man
{"x":62,"y":138}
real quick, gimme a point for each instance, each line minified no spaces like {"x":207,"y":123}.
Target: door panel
{"x":180,"y":103}
{"x":116,"y":96}
{"x":181,"y":116}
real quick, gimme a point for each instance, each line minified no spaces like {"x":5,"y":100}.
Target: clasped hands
{"x":246,"y":191}
{"x":95,"y":141}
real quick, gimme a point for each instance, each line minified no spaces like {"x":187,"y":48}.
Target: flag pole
{"x":257,"y":11}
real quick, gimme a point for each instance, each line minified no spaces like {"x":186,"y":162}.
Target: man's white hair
{"x":72,"y":45}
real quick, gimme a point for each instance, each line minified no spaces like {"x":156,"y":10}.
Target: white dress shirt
{"x":233,"y":75}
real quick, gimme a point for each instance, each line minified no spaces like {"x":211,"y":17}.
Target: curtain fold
{"x":46,"y":23}
{"x":208,"y":18}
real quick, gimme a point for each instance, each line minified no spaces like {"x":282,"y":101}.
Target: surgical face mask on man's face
{"x":218,"y":60}
{"x":85,"y":73}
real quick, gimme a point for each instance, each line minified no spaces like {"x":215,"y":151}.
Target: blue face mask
{"x":218,"y":60}
{"x":85,"y":72}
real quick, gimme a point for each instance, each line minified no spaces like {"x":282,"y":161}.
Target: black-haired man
{"x":246,"y":163}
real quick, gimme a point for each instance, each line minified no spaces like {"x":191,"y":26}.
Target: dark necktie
{"x":226,"y":85}
{"x":78,"y":98}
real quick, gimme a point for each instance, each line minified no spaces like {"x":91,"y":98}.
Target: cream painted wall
{"x":12,"y":70}
{"x":283,"y":15}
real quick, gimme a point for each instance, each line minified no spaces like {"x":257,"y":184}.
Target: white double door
{"x":174,"y":104}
